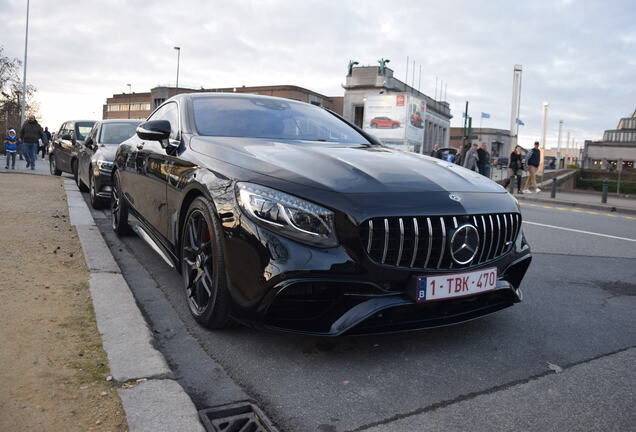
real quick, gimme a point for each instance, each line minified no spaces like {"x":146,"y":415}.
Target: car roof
{"x":199,"y":95}
{"x":119,"y":121}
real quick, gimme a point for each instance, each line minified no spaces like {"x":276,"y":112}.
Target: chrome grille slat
{"x":441,"y":255}
{"x":386,"y":239}
{"x":394,"y":242}
{"x":416,"y":231}
{"x":430,"y":241}
{"x":399,"y":257}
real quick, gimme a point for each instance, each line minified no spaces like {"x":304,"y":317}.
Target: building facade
{"x":617,"y":146}
{"x":140,"y":105}
{"x":366,"y":81}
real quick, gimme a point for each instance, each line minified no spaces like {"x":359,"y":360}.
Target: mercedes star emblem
{"x":464,"y":244}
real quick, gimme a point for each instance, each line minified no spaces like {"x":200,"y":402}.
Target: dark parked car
{"x":384,"y":122}
{"x":64,"y":148}
{"x":95,"y":157}
{"x":280,"y":214}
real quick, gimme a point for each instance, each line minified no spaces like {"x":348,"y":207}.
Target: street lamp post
{"x":544,"y":134}
{"x":178,"y":58}
{"x":129,"y":98}
{"x":24,"y":83}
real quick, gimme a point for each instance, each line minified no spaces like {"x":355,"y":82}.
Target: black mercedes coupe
{"x":282,"y":215}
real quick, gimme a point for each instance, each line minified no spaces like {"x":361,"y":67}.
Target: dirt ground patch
{"x":52,"y":366}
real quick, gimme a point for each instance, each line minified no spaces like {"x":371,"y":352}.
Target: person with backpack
{"x":533,"y":159}
{"x":10,"y":148}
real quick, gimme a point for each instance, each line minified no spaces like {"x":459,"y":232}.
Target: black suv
{"x":282,"y":214}
{"x":64,"y":148}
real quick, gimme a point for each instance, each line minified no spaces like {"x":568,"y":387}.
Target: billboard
{"x":395,"y":119}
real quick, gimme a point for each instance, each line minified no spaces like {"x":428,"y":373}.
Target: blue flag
{"x":520,"y":123}
{"x":485,"y":115}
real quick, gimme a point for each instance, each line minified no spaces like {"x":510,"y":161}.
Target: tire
{"x":394,"y":126}
{"x":96,"y":202}
{"x":119,"y":209}
{"x":374,"y":125}
{"x":53,"y":166}
{"x":78,"y":181}
{"x":203,"y":266}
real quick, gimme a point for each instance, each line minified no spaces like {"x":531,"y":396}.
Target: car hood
{"x":351,"y":169}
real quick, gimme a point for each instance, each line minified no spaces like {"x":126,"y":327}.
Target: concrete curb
{"x":159,"y":403}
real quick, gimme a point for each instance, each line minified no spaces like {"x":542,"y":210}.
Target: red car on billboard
{"x":384,"y":122}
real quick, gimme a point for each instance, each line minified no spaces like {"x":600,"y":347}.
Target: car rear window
{"x":256,"y":117}
{"x":115,"y":133}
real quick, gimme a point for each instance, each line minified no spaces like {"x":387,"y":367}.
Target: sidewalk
{"x":41,"y":166}
{"x":582,"y":199}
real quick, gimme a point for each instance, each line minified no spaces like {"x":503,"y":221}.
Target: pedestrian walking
{"x":30,"y":134}
{"x":10,"y":148}
{"x":533,"y":159}
{"x":515,"y":167}
{"x":471,"y":160}
{"x":484,"y":160}
{"x":436,"y":153}
{"x":45,"y":147}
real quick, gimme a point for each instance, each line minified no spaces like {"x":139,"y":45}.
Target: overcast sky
{"x":580,"y":56}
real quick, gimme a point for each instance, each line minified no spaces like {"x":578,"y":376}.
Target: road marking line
{"x":562,"y":208}
{"x":579,"y":231}
{"x":589,"y":212}
{"x":629,"y":217}
{"x":546,"y":206}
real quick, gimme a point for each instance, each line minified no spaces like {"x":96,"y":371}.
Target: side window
{"x":62,"y":130}
{"x":169,"y":112}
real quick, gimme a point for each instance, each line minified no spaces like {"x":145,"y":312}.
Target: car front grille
{"x":423,"y":241}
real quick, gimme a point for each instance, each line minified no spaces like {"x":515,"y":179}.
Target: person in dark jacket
{"x":516,"y":167}
{"x":30,"y":134}
{"x":436,"y":153}
{"x":533,"y":159}
{"x":46,"y":142}
{"x":484,"y":160}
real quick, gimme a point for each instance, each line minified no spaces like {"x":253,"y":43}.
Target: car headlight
{"x":290,"y":216}
{"x":103,"y":165}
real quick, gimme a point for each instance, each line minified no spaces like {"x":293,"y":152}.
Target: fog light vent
{"x":243,"y":417}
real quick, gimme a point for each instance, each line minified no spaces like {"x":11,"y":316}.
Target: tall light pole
{"x":129,"y":98}
{"x":24,"y":83}
{"x":515,"y":106}
{"x":178,"y":58}
{"x":559,"y":144}
{"x":544,"y":134}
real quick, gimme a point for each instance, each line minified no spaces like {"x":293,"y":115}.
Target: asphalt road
{"x":578,"y":317}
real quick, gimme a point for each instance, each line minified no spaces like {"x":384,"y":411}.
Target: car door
{"x":63,"y":148}
{"x":147,"y":185}
{"x":85,"y":154}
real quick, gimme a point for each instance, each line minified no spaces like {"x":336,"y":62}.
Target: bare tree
{"x":11,"y":93}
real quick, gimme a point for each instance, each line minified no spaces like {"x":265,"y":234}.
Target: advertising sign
{"x":396,"y":119}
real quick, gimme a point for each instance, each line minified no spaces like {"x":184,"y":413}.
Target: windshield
{"x":82,"y":129}
{"x":115,"y":133}
{"x":256,"y":117}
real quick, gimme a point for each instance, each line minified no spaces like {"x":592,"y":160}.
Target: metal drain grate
{"x":240,"y":417}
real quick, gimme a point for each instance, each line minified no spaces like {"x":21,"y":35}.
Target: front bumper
{"x":281,"y":285}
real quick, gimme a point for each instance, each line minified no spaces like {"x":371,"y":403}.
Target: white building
{"x":372,"y":80}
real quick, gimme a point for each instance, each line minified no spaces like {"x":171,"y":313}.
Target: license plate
{"x":430,"y":288}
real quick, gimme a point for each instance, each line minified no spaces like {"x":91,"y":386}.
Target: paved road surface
{"x":578,"y":315}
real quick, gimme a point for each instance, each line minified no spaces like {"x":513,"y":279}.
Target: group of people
{"x":31,"y":140}
{"x":477,"y":158}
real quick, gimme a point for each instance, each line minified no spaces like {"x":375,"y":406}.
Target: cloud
{"x":579,"y":56}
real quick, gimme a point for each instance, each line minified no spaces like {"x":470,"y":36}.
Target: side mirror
{"x":89,"y":143}
{"x":154,"y":130}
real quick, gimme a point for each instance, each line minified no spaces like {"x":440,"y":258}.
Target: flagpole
{"x":481,"y":117}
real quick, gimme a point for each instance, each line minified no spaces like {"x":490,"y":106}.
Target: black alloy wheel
{"x":119,"y":209}
{"x":203,"y":266}
{"x":96,"y":202}
{"x":53,"y":166}
{"x":78,"y":182}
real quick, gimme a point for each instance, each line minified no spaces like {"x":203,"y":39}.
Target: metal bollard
{"x":604,"y":196}
{"x":513,"y":179}
{"x":553,"y":191}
